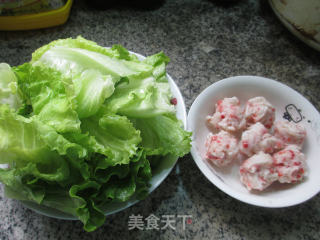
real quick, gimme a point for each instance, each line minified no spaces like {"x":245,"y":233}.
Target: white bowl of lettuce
{"x":87,"y":131}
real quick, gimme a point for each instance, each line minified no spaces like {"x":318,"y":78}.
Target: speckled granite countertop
{"x":206,"y":42}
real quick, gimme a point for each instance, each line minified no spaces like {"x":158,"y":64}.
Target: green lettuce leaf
{"x":94,"y":70}
{"x":91,"y":216}
{"x":144,"y":95}
{"x":73,"y":56}
{"x":35,"y":148}
{"x":162,"y":135}
{"x":45,"y":88}
{"x":117,"y":51}
{"x":115,"y":134}
{"x":122,"y":188}
{"x":8,"y":87}
{"x":16,"y":187}
{"x":91,"y":89}
{"x":141,"y":97}
{"x":159,"y":62}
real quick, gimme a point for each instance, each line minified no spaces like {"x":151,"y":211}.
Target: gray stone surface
{"x":206,"y":42}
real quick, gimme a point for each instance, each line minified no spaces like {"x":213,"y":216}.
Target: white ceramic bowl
{"x":293,"y":16}
{"x":287,"y":101}
{"x":158,"y":174}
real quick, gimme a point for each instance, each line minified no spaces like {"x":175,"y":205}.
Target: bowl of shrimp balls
{"x":257,"y":140}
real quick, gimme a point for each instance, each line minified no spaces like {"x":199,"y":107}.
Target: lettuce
{"x":91,"y":90}
{"x":115,"y":133}
{"x":83,"y":126}
{"x":94,"y":70}
{"x":141,"y":97}
{"x":116,"y":51}
{"x":45,"y":89}
{"x":157,"y":140}
{"x":8,"y":87}
{"x":29,"y":140}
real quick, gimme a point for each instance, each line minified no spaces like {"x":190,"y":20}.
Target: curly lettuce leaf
{"x":16,"y":187}
{"x":141,"y":97}
{"x":35,"y":148}
{"x":144,"y":95}
{"x":94,"y":70}
{"x":162,"y":135}
{"x":159,"y":62}
{"x":45,"y":88}
{"x":117,"y":136}
{"x":91,"y":90}
{"x":91,"y":216}
{"x":8,"y":87}
{"x":122,"y":188}
{"x":73,"y":56}
{"x":117,"y":51}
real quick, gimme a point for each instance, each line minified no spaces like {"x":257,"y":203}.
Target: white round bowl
{"x":159,"y":174}
{"x":287,"y":102}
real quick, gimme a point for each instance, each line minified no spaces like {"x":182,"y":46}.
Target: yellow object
{"x":39,"y":20}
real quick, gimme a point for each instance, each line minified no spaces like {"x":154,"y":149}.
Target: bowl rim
{"x":214,"y":179}
{"x":293,"y":29}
